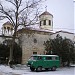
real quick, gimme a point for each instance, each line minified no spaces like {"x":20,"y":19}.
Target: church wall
{"x":32,"y":43}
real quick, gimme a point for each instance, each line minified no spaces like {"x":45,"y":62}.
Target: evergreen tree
{"x":62,"y":47}
{"x":5,"y":53}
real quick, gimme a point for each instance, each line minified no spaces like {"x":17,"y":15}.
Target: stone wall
{"x":32,"y":42}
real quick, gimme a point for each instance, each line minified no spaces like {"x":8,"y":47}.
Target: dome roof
{"x":46,"y":13}
{"x":7,"y":23}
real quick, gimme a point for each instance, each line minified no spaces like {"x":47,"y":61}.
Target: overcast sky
{"x":63,"y":12}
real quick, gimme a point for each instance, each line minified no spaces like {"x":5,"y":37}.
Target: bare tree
{"x":19,"y":13}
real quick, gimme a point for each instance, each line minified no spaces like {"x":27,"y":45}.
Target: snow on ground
{"x":23,"y":70}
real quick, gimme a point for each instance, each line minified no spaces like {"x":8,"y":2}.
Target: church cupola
{"x":7,"y":29}
{"x":46,"y":21}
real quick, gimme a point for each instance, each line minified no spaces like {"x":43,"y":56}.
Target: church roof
{"x":34,"y":30}
{"x":46,"y":13}
{"x":7,"y":23}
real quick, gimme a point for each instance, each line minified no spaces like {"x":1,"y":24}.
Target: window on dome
{"x":4,"y":28}
{"x":49,"y":22}
{"x":40,"y":23}
{"x":44,"y":22}
{"x":8,"y":28}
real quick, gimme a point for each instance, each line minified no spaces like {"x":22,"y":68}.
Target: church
{"x":32,"y":40}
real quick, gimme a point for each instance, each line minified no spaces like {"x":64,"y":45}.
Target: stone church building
{"x":31,"y":40}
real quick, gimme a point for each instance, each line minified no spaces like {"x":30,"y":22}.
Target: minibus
{"x":38,"y":62}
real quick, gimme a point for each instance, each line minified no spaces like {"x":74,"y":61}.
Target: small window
{"x":4,"y":27}
{"x":48,"y":58}
{"x":39,"y":58}
{"x":49,"y":22}
{"x":53,"y":58}
{"x":40,"y":23}
{"x":44,"y":22}
{"x":34,"y":52}
{"x":33,"y":58}
{"x":56,"y":58}
{"x":35,"y":41}
{"x":8,"y":28}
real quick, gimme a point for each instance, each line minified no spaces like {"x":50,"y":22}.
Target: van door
{"x":48,"y":62}
{"x":39,"y":61}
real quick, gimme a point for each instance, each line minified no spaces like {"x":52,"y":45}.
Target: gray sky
{"x":63,"y":12}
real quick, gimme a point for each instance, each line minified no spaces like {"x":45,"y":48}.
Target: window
{"x":35,"y":41}
{"x":39,"y":58}
{"x":34,"y":52}
{"x":44,"y":22}
{"x":53,"y":58}
{"x":49,"y":22}
{"x":40,"y":23}
{"x":4,"y":28}
{"x":56,"y":58}
{"x":48,"y":58}
{"x":8,"y":28}
{"x":33,"y":58}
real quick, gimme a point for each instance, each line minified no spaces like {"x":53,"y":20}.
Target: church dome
{"x":46,"y":13}
{"x":7,"y":28}
{"x":46,"y":21}
{"x":7,"y":23}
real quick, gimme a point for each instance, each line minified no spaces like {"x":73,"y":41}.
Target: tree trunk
{"x":11,"y":60}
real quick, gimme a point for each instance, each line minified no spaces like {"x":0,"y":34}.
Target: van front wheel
{"x":32,"y":69}
{"x":39,"y":69}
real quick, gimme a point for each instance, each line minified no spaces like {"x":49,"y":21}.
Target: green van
{"x":38,"y":62}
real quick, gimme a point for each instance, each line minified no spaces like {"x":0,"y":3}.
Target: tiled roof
{"x":46,"y":13}
{"x":7,"y":23}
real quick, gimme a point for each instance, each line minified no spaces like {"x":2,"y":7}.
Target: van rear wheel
{"x":39,"y":69}
{"x":53,"y":68}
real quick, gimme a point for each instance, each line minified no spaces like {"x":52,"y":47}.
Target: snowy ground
{"x":23,"y":70}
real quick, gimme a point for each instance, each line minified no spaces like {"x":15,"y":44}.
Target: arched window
{"x":44,"y":22}
{"x":4,"y":28}
{"x":49,"y":22}
{"x":40,"y":23}
{"x":35,"y":41}
{"x":8,"y":28}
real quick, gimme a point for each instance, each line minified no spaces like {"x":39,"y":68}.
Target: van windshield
{"x":33,"y":58}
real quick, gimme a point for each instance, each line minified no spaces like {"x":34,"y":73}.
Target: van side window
{"x":57,"y":58}
{"x":48,"y":58}
{"x":39,"y":58}
{"x":53,"y":58}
